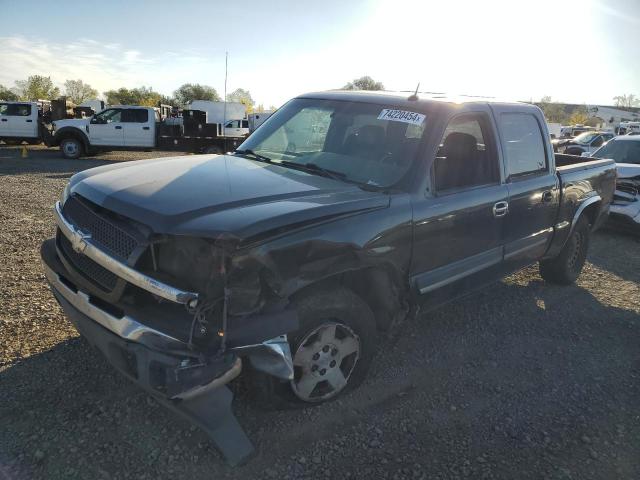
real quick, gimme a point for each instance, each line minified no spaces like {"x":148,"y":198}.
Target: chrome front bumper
{"x":82,"y":243}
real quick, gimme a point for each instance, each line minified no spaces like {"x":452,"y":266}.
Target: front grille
{"x":86,"y":267}
{"x":104,"y":231}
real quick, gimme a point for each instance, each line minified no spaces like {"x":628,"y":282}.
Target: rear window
{"x":135,"y":115}
{"x":15,"y":109}
{"x":523,"y":146}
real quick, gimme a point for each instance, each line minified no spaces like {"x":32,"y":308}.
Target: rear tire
{"x":332,"y":351}
{"x":71,"y":148}
{"x":567,"y":266}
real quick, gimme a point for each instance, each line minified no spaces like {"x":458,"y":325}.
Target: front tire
{"x":332,"y":350}
{"x":71,"y":148}
{"x":567,"y":266}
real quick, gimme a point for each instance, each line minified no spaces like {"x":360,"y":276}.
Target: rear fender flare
{"x":581,"y":209}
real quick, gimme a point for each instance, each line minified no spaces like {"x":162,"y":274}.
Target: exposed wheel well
{"x":376,"y":286}
{"x":591,"y":212}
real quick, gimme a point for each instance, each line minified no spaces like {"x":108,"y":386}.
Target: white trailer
{"x":256,"y":119}
{"x":232,"y":114}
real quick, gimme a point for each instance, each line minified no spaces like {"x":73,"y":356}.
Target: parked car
{"x":339,"y":217}
{"x":587,"y":142}
{"x":625,"y":209}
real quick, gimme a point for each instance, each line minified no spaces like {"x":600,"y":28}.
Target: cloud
{"x":103,"y":66}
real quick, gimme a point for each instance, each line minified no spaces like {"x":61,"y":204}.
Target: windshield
{"x":586,"y":137}
{"x":621,"y":151}
{"x":362,"y":142}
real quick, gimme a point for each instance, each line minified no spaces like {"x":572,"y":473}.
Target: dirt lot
{"x":522,"y":380}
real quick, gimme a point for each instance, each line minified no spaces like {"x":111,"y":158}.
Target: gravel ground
{"x":522,"y":380}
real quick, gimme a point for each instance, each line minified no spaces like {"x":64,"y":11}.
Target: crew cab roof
{"x":401,"y":99}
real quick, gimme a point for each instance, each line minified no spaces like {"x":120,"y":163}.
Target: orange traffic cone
{"x":24,"y":153}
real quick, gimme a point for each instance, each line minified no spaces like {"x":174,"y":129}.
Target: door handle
{"x":4,"y":120}
{"x":145,"y":128}
{"x":29,"y":121}
{"x":118,"y":127}
{"x":547,"y":196}
{"x":500,"y":209}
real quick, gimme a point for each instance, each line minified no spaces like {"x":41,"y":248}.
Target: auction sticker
{"x":402,"y":116}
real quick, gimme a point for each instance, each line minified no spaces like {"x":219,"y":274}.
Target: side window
{"x":598,"y":141}
{"x":134,"y":115}
{"x":524,"y":148}
{"x":245,"y":123}
{"x":466,"y":157}
{"x":15,"y":110}
{"x":108,"y":116}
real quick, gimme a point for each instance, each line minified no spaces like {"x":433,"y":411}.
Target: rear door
{"x":5,"y":124}
{"x":137,"y":126}
{"x":106,"y":128}
{"x":534,"y":190}
{"x":458,"y":226}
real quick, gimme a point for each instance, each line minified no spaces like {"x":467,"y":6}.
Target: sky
{"x":575,"y":51}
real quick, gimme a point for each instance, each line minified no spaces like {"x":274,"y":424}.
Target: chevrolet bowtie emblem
{"x":79,"y":241}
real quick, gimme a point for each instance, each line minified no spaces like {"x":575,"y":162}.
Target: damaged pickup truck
{"x":343,"y":214}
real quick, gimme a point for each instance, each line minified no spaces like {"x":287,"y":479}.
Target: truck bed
{"x":568,"y":163}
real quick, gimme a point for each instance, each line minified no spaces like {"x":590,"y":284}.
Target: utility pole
{"x":224,"y":113}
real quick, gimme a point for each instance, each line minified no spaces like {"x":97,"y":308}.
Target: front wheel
{"x":331,"y":351}
{"x":71,"y":148}
{"x":567,"y":266}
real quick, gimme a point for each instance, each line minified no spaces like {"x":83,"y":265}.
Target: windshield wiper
{"x":256,"y":156}
{"x":314,"y":168}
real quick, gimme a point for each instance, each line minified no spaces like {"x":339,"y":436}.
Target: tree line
{"x":39,"y":87}
{"x":571,"y":115}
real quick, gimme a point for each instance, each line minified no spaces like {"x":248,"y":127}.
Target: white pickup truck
{"x":19,"y":122}
{"x":127,"y":127}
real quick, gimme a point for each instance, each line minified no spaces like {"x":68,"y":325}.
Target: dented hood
{"x":211,"y":195}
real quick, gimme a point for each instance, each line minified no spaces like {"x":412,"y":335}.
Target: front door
{"x":458,"y":229}
{"x":534,"y":190}
{"x":106,"y":128}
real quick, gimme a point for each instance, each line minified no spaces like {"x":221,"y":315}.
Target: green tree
{"x":7,"y":95}
{"x":627,"y":101}
{"x":77,"y":91}
{"x":194,"y":91}
{"x":364,"y":83}
{"x":242,"y":96}
{"x":37,"y":87}
{"x":553,"y":112}
{"x":144,"y":96}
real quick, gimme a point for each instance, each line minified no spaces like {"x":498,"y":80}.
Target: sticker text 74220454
{"x":402,"y":116}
